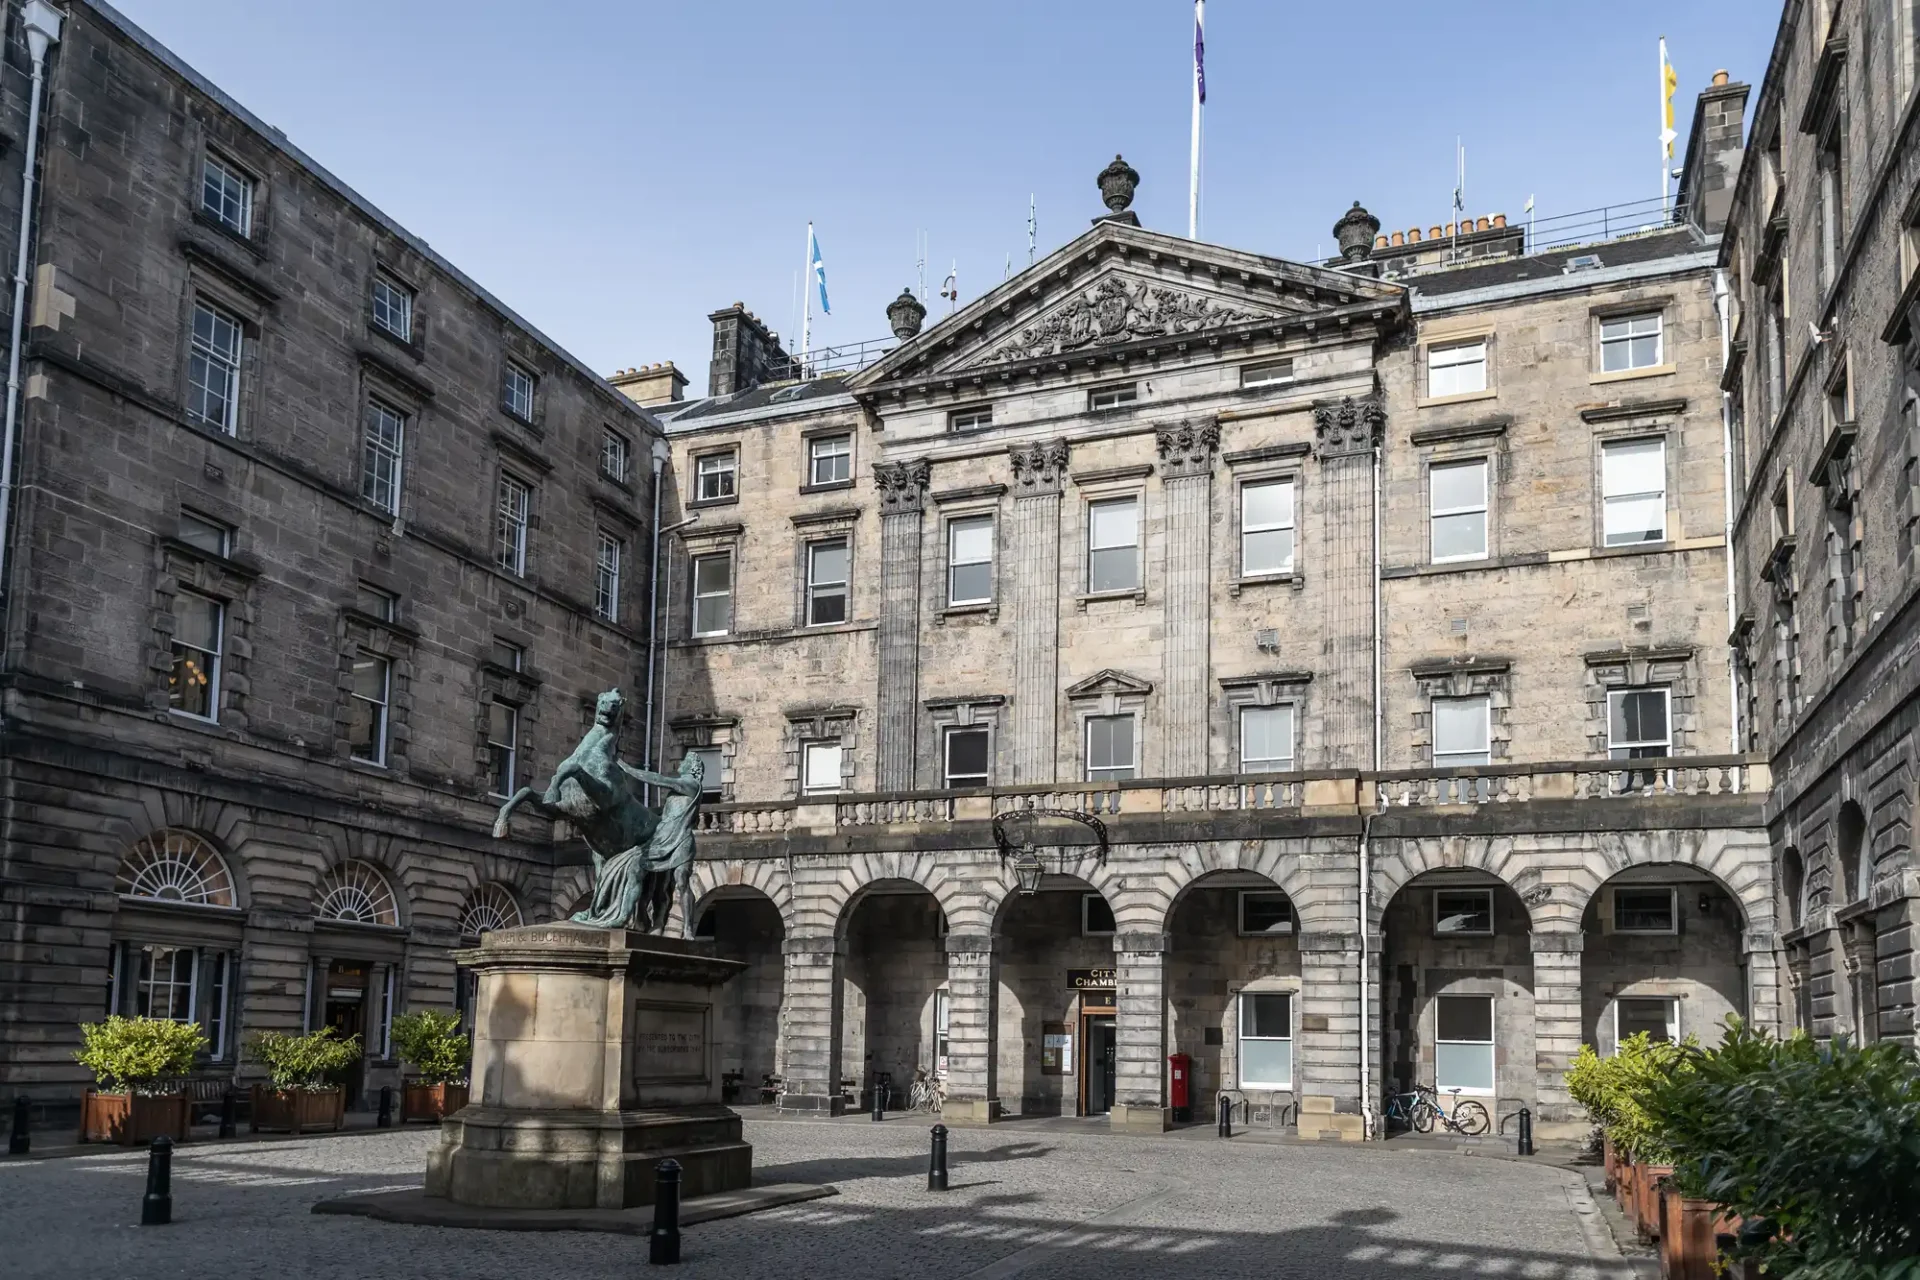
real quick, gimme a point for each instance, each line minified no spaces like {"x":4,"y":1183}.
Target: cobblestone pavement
{"x":1041,"y":1205}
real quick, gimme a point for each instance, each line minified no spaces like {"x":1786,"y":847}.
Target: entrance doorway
{"x":1100,"y":1040}
{"x":346,"y":986}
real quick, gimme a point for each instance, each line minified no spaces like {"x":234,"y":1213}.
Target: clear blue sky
{"x":616,"y":169}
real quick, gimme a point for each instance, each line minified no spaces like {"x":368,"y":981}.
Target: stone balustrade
{"x":1298,"y":793}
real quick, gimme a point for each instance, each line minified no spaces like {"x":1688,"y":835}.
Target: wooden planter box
{"x":298,"y":1110}
{"x":421,"y":1101}
{"x":1649,"y":1185}
{"x":1610,"y":1161}
{"x":1623,"y":1171}
{"x":131,"y":1119}
{"x":1687,"y":1231}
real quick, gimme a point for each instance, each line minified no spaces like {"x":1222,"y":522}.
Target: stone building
{"x":315,"y":547}
{"x":1821,"y":264}
{"x":1332,"y":599}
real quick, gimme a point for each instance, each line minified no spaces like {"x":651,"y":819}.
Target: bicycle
{"x":1421,"y":1108}
{"x":928,"y":1092}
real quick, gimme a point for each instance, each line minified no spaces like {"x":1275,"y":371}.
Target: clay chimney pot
{"x":1399,"y":238}
{"x":1719,"y":77}
{"x":1413,"y":235}
{"x":1499,"y":219}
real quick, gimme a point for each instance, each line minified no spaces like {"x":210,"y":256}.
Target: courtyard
{"x":1035,"y":1200}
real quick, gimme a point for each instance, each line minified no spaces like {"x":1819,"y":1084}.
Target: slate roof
{"x":1552,"y":264}
{"x":773,"y":398}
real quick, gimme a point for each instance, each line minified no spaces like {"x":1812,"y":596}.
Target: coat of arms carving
{"x":1118,"y":310}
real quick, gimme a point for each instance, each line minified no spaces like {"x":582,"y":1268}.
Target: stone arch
{"x":358,"y":892}
{"x":1398,"y":861}
{"x":763,"y":875}
{"x":1148,"y":902}
{"x":969,"y":904}
{"x":1743,"y":866}
{"x":491,"y":904}
{"x":179,"y":864}
{"x":406,"y":873}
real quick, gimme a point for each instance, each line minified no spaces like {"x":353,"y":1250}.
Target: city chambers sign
{"x":1091,"y":980}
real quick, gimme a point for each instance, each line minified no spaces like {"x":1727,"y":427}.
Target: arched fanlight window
{"x":357,"y":893}
{"x":490,"y":906}
{"x":175,"y":866}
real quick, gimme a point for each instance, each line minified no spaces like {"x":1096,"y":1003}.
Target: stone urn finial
{"x":904,"y":315}
{"x":1117,"y":182}
{"x":1355,"y":232}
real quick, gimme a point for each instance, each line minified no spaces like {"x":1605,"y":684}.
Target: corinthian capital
{"x":902,"y":485}
{"x":1347,"y":425}
{"x":1038,"y":466}
{"x":1187,"y":447}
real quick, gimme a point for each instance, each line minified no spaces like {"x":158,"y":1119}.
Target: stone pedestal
{"x":593,"y":1060}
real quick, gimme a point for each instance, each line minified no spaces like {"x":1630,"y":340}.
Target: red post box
{"x":1180,"y":1086}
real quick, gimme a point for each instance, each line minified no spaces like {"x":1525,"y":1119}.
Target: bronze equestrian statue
{"x":642,"y":857}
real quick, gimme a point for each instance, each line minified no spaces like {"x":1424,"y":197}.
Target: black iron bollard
{"x":156,"y":1208}
{"x":1526,"y":1132}
{"x":937,"y":1167}
{"x":385,"y":1119}
{"x":18,"y":1144}
{"x":663,"y":1246}
{"x":1226,"y":1116}
{"x":879,"y":1101}
{"x":228,"y":1101}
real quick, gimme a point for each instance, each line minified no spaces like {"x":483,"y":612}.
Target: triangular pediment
{"x":1110,"y":681}
{"x":1120,"y":287}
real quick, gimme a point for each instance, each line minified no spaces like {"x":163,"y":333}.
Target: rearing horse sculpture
{"x":641,"y":856}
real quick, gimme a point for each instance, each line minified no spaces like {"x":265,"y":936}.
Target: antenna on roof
{"x":1459,"y":193}
{"x":920,"y":262}
{"x":1033,"y":227}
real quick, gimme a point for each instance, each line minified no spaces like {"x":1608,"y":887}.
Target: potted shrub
{"x":436,"y":1047}
{"x":136,"y":1064}
{"x":299,"y":1094}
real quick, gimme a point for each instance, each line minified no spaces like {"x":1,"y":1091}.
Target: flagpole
{"x":1193,"y":186}
{"x":1665,"y":163}
{"x":806,"y":304}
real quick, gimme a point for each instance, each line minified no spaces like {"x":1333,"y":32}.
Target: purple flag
{"x":1199,"y":57}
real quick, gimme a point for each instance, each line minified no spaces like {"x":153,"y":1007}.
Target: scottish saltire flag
{"x":819,"y":269}
{"x":1199,"y":56}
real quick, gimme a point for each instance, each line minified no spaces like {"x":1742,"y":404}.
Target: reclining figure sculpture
{"x":642,"y":857}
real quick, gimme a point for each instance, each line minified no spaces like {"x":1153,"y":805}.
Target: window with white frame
{"x":828,"y":565}
{"x":164,"y":985}
{"x":1656,"y":1016}
{"x":509,"y":656}
{"x":712,"y":761}
{"x":503,"y":747}
{"x":1638,"y":724}
{"x":713,"y":594}
{"x":1265,"y":911}
{"x":606,"y":576}
{"x":820,"y":767}
{"x":1458,"y":912}
{"x":380,"y":456}
{"x":1112,"y":397}
{"x":1096,"y":916}
{"x":615,"y":455}
{"x":970,"y":560}
{"x":1457,"y":510}
{"x":367,"y":709}
{"x":1652,"y":909}
{"x":1463,"y":1044}
{"x":1633,"y":485}
{"x":510,"y":528}
{"x":393,"y":306}
{"x":971,"y":419}
{"x":213,"y":369}
{"x":715,"y":475}
{"x":193,"y":688}
{"x":1631,"y":342}
{"x":967,"y":754}
{"x":1266,"y":1040}
{"x":1462,"y":731}
{"x":830,"y":460}
{"x":1110,"y":748}
{"x":1113,"y":545}
{"x":1267,"y":373}
{"x":1457,"y":368}
{"x":517,"y":393}
{"x":226,"y":196}
{"x":1266,"y":528}
{"x":1266,"y":739}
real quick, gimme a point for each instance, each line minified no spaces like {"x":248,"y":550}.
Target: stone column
{"x":902,"y":487}
{"x":1347,"y":431}
{"x":1033,"y":606}
{"x":1186,"y":470}
{"x":1556,"y":1033}
{"x":973,"y":1014}
{"x":315,"y":1013}
{"x":1760,"y":949}
{"x":1326,"y":1055}
{"x":1140,"y":1030}
{"x":810,"y":1023}
{"x":1799,"y":967}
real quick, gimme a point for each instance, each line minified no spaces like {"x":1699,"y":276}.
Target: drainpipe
{"x":41,"y":22}
{"x":1366,"y":821}
{"x":660,"y":452}
{"x":1722,"y":308}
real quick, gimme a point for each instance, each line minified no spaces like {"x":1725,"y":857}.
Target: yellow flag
{"x":1669,"y":82}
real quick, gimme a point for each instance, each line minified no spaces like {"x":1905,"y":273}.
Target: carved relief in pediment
{"x":1117,"y":310}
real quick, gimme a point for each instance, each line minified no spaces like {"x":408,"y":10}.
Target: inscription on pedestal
{"x":669,"y":1043}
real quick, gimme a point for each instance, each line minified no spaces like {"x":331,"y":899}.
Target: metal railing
{"x":846,"y":358}
{"x":1608,"y":222}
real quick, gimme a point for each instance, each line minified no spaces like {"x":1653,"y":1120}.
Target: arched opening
{"x":175,"y":951}
{"x":1660,"y":954}
{"x":895,"y":1008}
{"x":355,"y":970}
{"x":745,"y":925}
{"x":1233,"y":996}
{"x":1849,"y":835}
{"x":1793,"y":886}
{"x":1058,"y":1037}
{"x":1457,"y":991}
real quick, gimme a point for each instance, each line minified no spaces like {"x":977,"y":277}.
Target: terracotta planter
{"x":1610,"y":1161}
{"x":1649,"y":1183}
{"x":131,"y":1119}
{"x":1688,"y":1228}
{"x":1623,"y":1171}
{"x":422,"y":1101}
{"x":298,"y":1110}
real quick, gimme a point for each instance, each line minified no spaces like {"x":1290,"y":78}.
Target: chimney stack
{"x":651,"y":384}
